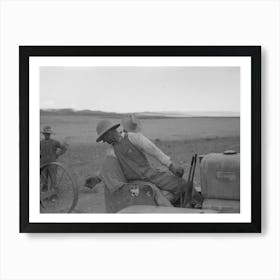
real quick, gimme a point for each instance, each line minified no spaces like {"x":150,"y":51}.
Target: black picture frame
{"x":254,"y":52}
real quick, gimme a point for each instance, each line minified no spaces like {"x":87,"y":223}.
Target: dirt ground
{"x":179,"y":138}
{"x":84,"y":160}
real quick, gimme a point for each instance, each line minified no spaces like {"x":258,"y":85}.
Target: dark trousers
{"x":48,"y":177}
{"x":175,"y":185}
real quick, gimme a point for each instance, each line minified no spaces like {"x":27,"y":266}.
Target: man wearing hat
{"x":131,"y":124}
{"x":131,"y":150}
{"x":50,"y":150}
{"x":118,"y":192}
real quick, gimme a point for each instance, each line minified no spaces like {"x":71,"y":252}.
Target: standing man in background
{"x":50,"y":150}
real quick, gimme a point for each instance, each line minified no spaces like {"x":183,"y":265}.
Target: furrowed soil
{"x":178,"y":138}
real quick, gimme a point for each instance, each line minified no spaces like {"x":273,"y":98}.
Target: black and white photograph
{"x":140,"y":139}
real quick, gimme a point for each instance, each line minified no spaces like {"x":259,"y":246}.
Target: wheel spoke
{"x":43,"y":176}
{"x":66,"y":195}
{"x":60,"y":179}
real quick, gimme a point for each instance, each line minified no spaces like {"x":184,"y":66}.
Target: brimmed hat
{"x":47,"y":130}
{"x":131,"y":123}
{"x":104,"y":126}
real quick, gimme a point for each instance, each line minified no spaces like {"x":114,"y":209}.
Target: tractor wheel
{"x":58,"y":189}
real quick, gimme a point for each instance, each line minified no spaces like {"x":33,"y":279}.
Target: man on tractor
{"x":130,"y":151}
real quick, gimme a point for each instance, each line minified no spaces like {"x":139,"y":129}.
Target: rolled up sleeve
{"x":148,"y":147}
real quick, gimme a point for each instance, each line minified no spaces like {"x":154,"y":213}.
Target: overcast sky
{"x":137,"y":89}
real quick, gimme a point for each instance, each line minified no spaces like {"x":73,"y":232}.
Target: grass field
{"x":81,"y":129}
{"x":179,"y":138}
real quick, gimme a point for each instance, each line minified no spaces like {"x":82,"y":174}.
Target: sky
{"x":138,"y":89}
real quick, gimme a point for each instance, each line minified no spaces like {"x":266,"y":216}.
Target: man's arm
{"x":62,"y":148}
{"x":111,"y":174}
{"x":148,"y":147}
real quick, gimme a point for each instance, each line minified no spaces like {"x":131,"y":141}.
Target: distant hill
{"x":72,"y":112}
{"x":142,"y":115}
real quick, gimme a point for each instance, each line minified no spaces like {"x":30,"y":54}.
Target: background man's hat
{"x":104,"y":126}
{"x":131,"y":123}
{"x":47,"y":130}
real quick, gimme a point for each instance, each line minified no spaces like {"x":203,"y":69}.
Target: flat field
{"x":179,"y":138}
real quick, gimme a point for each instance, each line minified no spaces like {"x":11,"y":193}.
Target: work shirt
{"x":135,"y":165}
{"x":147,"y":147}
{"x":48,"y":150}
{"x":131,"y":152}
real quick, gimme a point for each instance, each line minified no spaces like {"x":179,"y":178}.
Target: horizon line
{"x":149,"y":111}
{"x":210,"y":113}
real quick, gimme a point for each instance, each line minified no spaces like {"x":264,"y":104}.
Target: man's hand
{"x":91,"y":182}
{"x":177,"y":171}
